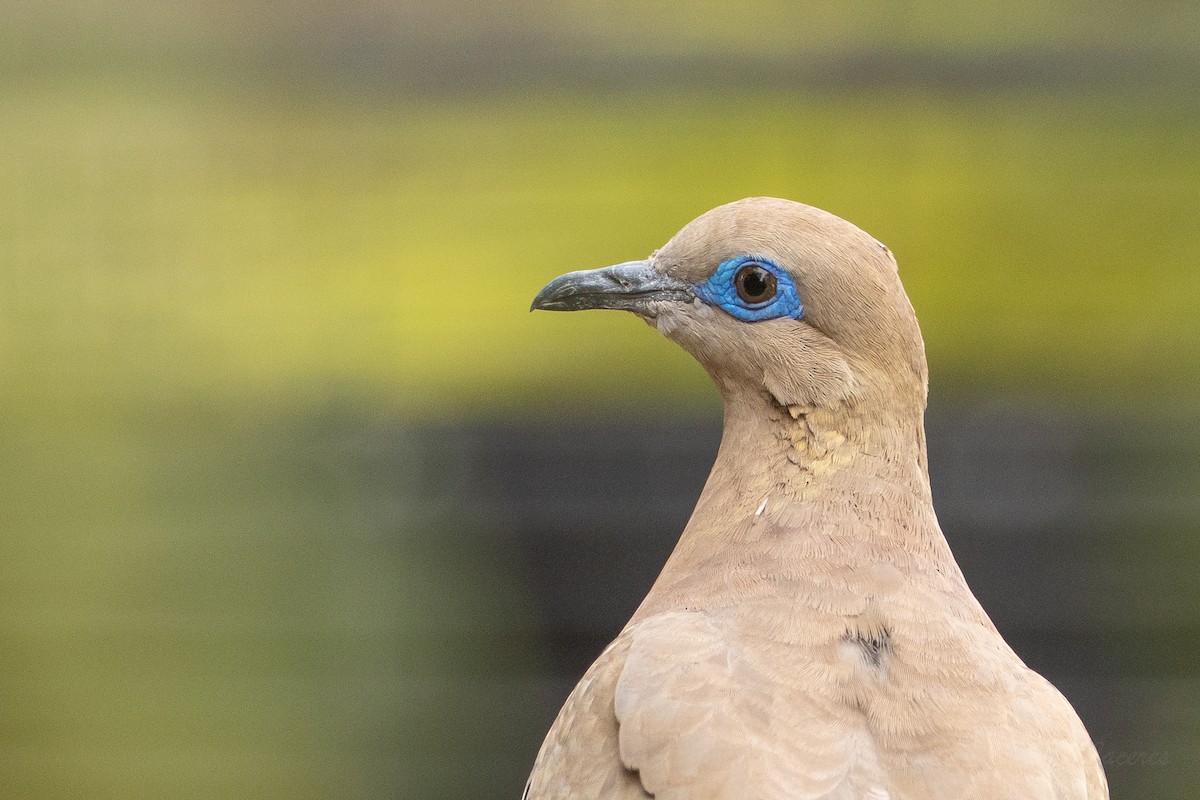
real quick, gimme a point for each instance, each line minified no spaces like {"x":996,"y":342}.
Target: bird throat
{"x":793,"y":452}
{"x":808,"y":488}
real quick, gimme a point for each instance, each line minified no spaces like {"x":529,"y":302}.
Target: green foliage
{"x":219,"y":246}
{"x":214,"y":275}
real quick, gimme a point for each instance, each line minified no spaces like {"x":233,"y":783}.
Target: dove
{"x":811,"y":635}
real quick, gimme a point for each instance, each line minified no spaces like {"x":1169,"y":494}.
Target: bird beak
{"x":632,"y":286}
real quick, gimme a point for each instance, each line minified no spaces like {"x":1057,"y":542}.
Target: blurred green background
{"x":259,"y":261}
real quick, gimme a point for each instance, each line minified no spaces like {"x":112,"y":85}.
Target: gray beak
{"x":632,"y":286}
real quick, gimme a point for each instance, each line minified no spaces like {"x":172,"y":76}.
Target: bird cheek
{"x":667,"y":321}
{"x":817,"y":375}
{"x":689,"y":325}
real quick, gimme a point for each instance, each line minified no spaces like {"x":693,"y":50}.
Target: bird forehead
{"x":694,"y":254}
{"x":801,"y":239}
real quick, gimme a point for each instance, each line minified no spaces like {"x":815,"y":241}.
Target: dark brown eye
{"x":754,"y":284}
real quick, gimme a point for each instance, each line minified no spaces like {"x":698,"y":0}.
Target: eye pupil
{"x":755,"y":284}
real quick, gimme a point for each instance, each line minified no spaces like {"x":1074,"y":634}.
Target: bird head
{"x":772,"y":296}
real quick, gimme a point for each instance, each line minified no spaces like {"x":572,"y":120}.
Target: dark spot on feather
{"x":874,"y":645}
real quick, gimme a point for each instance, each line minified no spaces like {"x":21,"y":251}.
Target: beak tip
{"x":552,"y":296}
{"x":542,"y":302}
{"x":630,"y":286}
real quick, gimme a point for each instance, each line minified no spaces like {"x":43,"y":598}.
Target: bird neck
{"x":794,"y":452}
{"x":832,"y":490}
{"x":825,"y":468}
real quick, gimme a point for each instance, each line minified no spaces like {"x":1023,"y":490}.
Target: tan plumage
{"x":811,"y":635}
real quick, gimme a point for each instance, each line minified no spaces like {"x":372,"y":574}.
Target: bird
{"x":811,"y":635}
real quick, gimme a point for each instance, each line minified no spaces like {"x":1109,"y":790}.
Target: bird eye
{"x":755,"y":284}
{"x":751,"y":288}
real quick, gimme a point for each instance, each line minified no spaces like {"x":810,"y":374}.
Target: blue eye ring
{"x":722,"y":290}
